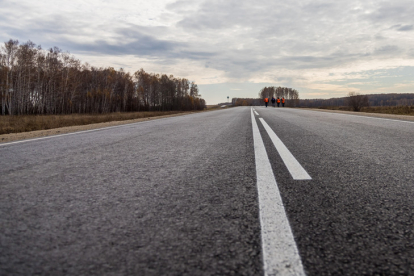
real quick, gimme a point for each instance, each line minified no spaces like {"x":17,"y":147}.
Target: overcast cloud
{"x":233,"y":48}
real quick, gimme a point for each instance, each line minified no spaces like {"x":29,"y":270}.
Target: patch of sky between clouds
{"x":218,"y":92}
{"x":136,"y":12}
{"x":50,"y":23}
{"x":403,"y":28}
{"x":394,"y":80}
{"x":381,"y":77}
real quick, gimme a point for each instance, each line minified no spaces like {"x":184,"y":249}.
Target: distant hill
{"x":390,"y":99}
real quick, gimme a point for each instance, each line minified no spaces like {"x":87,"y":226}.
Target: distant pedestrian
{"x":273,"y":101}
{"x":266,"y":100}
{"x":283,"y":102}
{"x":278,"y":102}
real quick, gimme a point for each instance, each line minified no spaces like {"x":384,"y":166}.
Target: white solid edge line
{"x":60,"y":135}
{"x":295,"y":169}
{"x":362,"y":116}
{"x":82,"y":131}
{"x":256,"y":113}
{"x":279,"y":250}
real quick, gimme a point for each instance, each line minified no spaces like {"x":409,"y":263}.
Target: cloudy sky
{"x":233,"y":48}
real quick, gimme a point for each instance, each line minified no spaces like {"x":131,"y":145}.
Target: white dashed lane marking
{"x":295,"y":169}
{"x":280,"y":253}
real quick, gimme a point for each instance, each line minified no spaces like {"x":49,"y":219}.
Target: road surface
{"x":230,"y":192}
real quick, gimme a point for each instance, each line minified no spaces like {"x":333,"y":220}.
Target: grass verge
{"x":398,"y":110}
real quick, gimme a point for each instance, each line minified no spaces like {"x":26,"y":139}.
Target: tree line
{"x":37,"y":81}
{"x":355,"y":101}
{"x":405,"y":99}
{"x":291,"y":95}
{"x":280,"y":92}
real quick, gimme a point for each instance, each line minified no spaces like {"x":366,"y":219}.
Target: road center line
{"x":280,"y":253}
{"x":295,"y":169}
{"x":256,"y":113}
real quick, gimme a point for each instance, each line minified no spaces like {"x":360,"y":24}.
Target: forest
{"x":38,"y":81}
{"x":390,"y":99}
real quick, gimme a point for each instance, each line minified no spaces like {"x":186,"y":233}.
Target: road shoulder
{"x":5,"y":138}
{"x":366,"y":114}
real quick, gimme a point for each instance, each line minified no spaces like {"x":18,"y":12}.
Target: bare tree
{"x":10,"y":48}
{"x":35,"y":81}
{"x":357,"y":101}
{"x":289,"y":94}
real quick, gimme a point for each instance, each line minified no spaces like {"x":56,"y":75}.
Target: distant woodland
{"x":354,"y":101}
{"x":38,"y":81}
{"x":390,"y":99}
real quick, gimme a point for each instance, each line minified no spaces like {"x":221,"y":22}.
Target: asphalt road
{"x":179,"y":196}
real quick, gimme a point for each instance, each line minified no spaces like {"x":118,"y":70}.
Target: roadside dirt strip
{"x":5,"y":138}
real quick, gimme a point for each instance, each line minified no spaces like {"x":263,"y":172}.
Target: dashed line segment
{"x":294,"y":167}
{"x":280,"y":253}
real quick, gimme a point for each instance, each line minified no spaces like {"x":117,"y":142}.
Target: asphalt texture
{"x":174,"y":196}
{"x":178,"y":196}
{"x":356,"y":215}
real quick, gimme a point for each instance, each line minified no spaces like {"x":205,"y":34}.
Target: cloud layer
{"x":321,"y":48}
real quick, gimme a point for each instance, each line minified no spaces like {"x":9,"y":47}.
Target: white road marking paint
{"x":379,"y":118}
{"x":256,"y":113}
{"x":295,"y":169}
{"x":60,"y":135}
{"x":280,"y":253}
{"x":77,"y":132}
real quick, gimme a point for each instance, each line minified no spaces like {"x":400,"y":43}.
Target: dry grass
{"x":24,"y":123}
{"x":399,"y":110}
{"x":396,"y":110}
{"x":343,"y":108}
